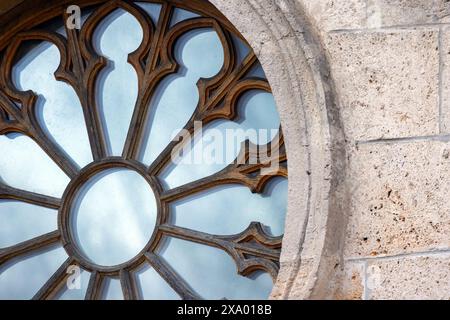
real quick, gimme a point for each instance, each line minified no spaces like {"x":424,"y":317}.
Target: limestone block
{"x":399,"y":201}
{"x":387,"y":82}
{"x":410,"y":278}
{"x":384,"y":13}
{"x":352,"y":282}
{"x":336,"y":15}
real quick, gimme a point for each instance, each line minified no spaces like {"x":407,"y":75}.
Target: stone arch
{"x":296,"y":66}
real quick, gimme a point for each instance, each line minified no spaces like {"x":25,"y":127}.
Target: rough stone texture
{"x":415,"y":277}
{"x":387,"y":82}
{"x":352,"y":282}
{"x":445,"y":79}
{"x":336,"y":15}
{"x":399,"y":202}
{"x":383,"y":13}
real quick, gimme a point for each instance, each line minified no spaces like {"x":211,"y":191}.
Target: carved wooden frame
{"x":80,"y":66}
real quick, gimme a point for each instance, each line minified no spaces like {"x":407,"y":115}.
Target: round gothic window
{"x":141,"y":157}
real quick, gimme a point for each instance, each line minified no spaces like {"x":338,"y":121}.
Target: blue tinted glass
{"x":212,"y":272}
{"x":118,"y":83}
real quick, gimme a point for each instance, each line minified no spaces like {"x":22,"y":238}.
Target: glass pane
{"x":221,"y":141}
{"x":179,"y":15}
{"x":242,"y":50}
{"x":29,"y":168}
{"x":256,"y":72}
{"x":22,"y":221}
{"x":212,"y":272}
{"x":200,"y":53}
{"x":153,"y":287}
{"x":80,"y":285}
{"x":58,"y":109}
{"x":230,"y":209}
{"x":117,"y":86}
{"x":153,"y":10}
{"x":114,"y":216}
{"x":112,"y":290}
{"x":22,"y":279}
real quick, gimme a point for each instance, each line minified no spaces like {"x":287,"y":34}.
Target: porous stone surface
{"x":352,"y":282}
{"x":387,"y":82}
{"x":399,"y":200}
{"x":410,"y":278}
{"x":336,"y":15}
{"x":383,"y":13}
{"x":445,"y":79}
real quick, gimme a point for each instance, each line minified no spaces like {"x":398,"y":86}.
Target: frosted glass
{"x":153,"y":10}
{"x":113,"y":289}
{"x":58,"y":108}
{"x":212,"y":272}
{"x":179,"y":15}
{"x":114,"y":216}
{"x":22,"y":279}
{"x":200,"y":53}
{"x":230,"y":209}
{"x":153,"y":287}
{"x":257,"y":111}
{"x":29,"y":168}
{"x":75,"y":293}
{"x":117,"y":85}
{"x":22,"y":221}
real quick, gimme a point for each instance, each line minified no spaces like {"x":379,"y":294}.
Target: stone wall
{"x":390,"y":64}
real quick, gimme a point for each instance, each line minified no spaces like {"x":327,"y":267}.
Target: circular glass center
{"x":114,"y":216}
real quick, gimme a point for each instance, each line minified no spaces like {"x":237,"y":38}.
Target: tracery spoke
{"x":250,"y":169}
{"x":7,"y":192}
{"x":25,"y":122}
{"x":221,"y":105}
{"x":129,"y":287}
{"x":171,"y":277}
{"x":95,"y":286}
{"x":29,"y":246}
{"x":162,"y":51}
{"x":251,"y":250}
{"x":55,"y":283}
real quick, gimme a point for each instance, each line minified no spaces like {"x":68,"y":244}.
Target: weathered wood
{"x":80,"y":66}
{"x":129,"y":286}
{"x":95,"y":287}
{"x":29,"y":246}
{"x":171,"y":277}
{"x":51,"y":288}
{"x":7,"y":192}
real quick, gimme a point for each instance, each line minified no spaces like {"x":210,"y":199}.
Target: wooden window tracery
{"x":80,"y":65}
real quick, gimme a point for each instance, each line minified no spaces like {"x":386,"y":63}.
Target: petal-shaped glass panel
{"x":117,"y":85}
{"x":78,"y":287}
{"x":230,"y":209}
{"x":22,"y":221}
{"x":114,"y":216}
{"x":256,"y":72}
{"x":221,"y":141}
{"x":153,"y":10}
{"x":29,"y":168}
{"x":201,"y":55}
{"x":212,"y":272}
{"x":153,"y":287}
{"x":112,"y":289}
{"x":22,"y":279}
{"x":179,"y":15}
{"x":58,"y":108}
